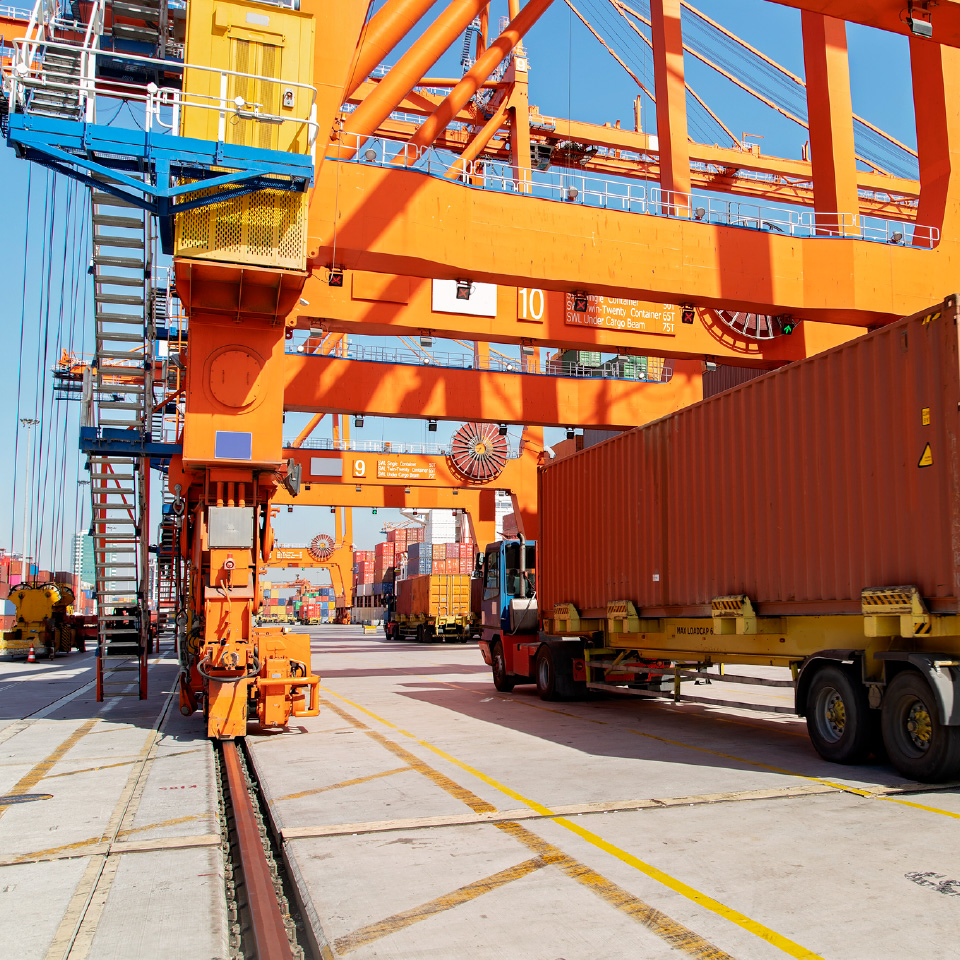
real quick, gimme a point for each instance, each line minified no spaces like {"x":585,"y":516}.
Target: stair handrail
{"x":44,"y":12}
{"x":88,"y":62}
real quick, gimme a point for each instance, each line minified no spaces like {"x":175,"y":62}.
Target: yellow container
{"x":274,"y":45}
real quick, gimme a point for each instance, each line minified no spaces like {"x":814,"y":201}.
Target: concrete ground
{"x":109,"y":834}
{"x":426,"y":815}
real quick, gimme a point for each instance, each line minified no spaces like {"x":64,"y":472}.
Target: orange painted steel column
{"x":830,"y":113}
{"x":475,"y":77}
{"x":936,"y":97}
{"x":388,"y":26}
{"x":671,"y":99}
{"x":520,"y":124}
{"x":407,"y":73}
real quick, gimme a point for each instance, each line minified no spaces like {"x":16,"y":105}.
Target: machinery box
{"x":798,"y":489}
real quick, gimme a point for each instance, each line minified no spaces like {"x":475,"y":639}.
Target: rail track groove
{"x":263,"y":926}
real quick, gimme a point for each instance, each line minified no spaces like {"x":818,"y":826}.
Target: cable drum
{"x":478,"y":452}
{"x":753,"y":326}
{"x":322,"y":547}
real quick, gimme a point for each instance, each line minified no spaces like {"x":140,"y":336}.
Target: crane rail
{"x":271,"y":932}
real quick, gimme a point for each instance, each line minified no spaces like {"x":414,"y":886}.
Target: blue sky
{"x":567,"y":66}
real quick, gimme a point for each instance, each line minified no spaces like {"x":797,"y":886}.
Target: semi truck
{"x":432,"y":607}
{"x":807,"y":519}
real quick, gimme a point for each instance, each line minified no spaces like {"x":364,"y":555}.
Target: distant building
{"x":83,"y":565}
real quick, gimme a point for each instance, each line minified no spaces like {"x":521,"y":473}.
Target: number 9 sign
{"x":359,"y":468}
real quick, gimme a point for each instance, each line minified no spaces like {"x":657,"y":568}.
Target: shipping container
{"x":432,"y":607}
{"x":808,"y":518}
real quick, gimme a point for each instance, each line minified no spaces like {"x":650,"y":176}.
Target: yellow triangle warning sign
{"x":926,"y":458}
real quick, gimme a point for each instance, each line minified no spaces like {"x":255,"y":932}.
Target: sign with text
{"x":607,"y":313}
{"x":405,"y":468}
{"x":617,"y":313}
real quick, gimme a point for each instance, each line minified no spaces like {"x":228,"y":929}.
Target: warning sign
{"x":926,"y":458}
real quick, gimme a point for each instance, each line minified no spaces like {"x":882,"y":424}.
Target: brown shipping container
{"x":434,"y":596}
{"x":798,"y":489}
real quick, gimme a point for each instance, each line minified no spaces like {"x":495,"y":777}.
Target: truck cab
{"x":508,"y":609}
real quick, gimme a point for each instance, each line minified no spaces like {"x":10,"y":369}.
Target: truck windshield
{"x":525,"y":584}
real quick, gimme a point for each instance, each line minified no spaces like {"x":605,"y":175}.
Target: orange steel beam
{"x":831,"y":119}
{"x":309,"y":428}
{"x":723,"y":165}
{"x":888,"y":15}
{"x":395,"y":390}
{"x":383,"y":306}
{"x":384,"y":479}
{"x":400,"y":221}
{"x":337,"y":30}
{"x":12,"y":28}
{"x":671,"y":97}
{"x":462,"y":93}
{"x":382,"y":32}
{"x":406,"y":74}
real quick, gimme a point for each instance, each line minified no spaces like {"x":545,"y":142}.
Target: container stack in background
{"x":443,"y":545}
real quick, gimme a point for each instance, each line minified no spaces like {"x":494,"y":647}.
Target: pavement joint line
{"x":109,"y":766}
{"x":654,"y":920}
{"x":778,"y":940}
{"x":100,"y":848}
{"x":382,"y":928}
{"x":345,"y":783}
{"x":578,"y":809}
{"x":77,"y":928}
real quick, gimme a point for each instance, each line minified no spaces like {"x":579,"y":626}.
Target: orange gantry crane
{"x":445,"y":220}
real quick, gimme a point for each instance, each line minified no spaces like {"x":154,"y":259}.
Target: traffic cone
{"x":31,"y":656}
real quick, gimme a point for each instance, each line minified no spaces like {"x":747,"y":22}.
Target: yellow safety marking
{"x":788,"y":946}
{"x":51,"y":852}
{"x":925,"y":416}
{"x":926,"y":458}
{"x":26,"y":783}
{"x":840,"y":787}
{"x":344,"y":783}
{"x":109,"y":766}
{"x":930,"y":316}
{"x":167,"y":823}
{"x":383,"y":928}
{"x":441,"y":780}
{"x":657,"y":922}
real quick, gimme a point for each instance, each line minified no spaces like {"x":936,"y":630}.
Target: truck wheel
{"x":503,"y":681}
{"x":919,"y":745}
{"x":546,"y":673}
{"x":838,"y":719}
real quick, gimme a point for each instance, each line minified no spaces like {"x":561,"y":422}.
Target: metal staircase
{"x":121,"y":407}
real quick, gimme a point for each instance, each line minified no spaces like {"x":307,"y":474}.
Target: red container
{"x":798,"y":489}
{"x":467,"y":551}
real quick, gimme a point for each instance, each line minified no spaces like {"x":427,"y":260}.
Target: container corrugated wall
{"x":798,"y":489}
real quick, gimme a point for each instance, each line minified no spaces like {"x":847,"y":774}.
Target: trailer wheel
{"x":918,"y":744}
{"x":838,"y":719}
{"x":546,"y":673}
{"x":502,"y":680}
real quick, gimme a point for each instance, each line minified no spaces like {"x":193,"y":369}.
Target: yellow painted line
{"x":786,"y":945}
{"x":399,"y":921}
{"x":839,"y":787}
{"x":160,"y":824}
{"x":344,"y":783}
{"x":654,"y":920}
{"x":29,"y":780}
